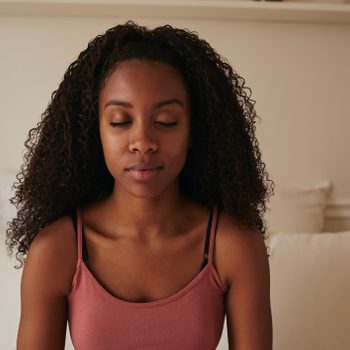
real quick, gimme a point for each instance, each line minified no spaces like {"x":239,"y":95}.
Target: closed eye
{"x":118,"y":124}
{"x":114,"y":124}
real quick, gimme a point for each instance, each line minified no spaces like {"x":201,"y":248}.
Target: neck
{"x":147,"y":219}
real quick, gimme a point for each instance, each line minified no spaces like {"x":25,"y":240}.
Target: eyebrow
{"x":155,"y":105}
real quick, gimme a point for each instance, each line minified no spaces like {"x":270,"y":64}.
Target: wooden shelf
{"x":215,"y":10}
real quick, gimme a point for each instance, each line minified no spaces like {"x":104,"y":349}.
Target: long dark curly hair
{"x":64,"y":166}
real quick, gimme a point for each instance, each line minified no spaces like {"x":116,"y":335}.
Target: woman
{"x":141,"y":204}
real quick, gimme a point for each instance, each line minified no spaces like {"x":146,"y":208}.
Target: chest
{"x":137,"y":272}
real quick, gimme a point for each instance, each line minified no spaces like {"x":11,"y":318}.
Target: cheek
{"x":176,"y":151}
{"x":111,"y":151}
{"x":110,"y":142}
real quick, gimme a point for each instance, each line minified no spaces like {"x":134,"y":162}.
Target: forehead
{"x":147,"y":79}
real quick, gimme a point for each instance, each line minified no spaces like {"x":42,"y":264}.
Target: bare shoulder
{"x":236,"y":248}
{"x":46,"y":281}
{"x":245,"y":266}
{"x":53,"y":252}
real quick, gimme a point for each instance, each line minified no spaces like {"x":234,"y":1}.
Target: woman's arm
{"x":249,"y":320}
{"x":45,"y":284}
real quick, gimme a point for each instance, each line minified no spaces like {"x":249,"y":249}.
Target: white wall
{"x":298,"y":72}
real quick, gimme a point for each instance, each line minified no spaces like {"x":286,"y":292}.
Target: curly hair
{"x":64,"y":166}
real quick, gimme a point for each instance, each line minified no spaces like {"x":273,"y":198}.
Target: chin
{"x":145,"y":193}
{"x":146,"y":190}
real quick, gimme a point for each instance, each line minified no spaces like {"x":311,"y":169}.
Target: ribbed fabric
{"x":190,"y":319}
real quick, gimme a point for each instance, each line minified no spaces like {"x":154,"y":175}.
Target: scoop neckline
{"x":196,"y":279}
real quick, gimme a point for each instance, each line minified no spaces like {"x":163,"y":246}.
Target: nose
{"x":143,"y":140}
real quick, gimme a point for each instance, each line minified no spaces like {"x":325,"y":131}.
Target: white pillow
{"x":297,"y":208}
{"x":310,"y":290}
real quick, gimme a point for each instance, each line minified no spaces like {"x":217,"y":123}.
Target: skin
{"x":148,"y":221}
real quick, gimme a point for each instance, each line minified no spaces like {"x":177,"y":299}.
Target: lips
{"x":143,"y":175}
{"x":143,"y":171}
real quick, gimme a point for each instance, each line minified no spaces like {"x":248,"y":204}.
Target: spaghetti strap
{"x":82,"y":253}
{"x":213,"y":232}
{"x":207,"y":240}
{"x":79,"y":233}
{"x":73,"y":215}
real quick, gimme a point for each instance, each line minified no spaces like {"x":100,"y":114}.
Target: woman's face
{"x":145,"y":96}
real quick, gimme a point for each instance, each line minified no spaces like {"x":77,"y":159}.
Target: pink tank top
{"x":190,"y":319}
